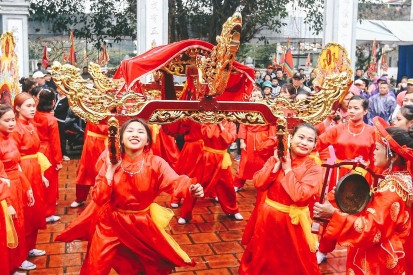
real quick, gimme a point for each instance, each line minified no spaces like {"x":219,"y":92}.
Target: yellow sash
{"x":12,"y":239}
{"x":298,"y":215}
{"x":41,"y":159}
{"x":93,"y":134}
{"x":161,"y":217}
{"x":155,"y":132}
{"x":226,"y":161}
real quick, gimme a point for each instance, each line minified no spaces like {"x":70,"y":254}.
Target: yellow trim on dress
{"x":93,"y":134}
{"x":298,"y":215}
{"x":12,"y":239}
{"x":226,"y":161}
{"x":161,"y":217}
{"x":41,"y":159}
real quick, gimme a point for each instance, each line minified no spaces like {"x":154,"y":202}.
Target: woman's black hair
{"x":35,"y":91}
{"x":126,"y":124}
{"x":4,"y":108}
{"x":46,"y":100}
{"x":364,"y":101}
{"x":306,"y":125}
{"x":402,"y":137}
{"x":407,"y":112}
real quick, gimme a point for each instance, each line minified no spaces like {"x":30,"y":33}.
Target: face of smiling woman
{"x":135,"y":138}
{"x":303,"y":142}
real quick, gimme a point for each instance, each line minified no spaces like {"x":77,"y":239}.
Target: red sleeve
{"x":327,"y":138}
{"x":25,"y":182}
{"x":242,"y":131}
{"x":170,"y":182}
{"x":229,"y":134}
{"x":263,"y":178}
{"x":321,"y":127}
{"x":101,"y":192}
{"x":55,"y":148}
{"x":210,"y":130}
{"x":303,"y":189}
{"x":271,"y":142}
{"x":4,"y":189}
{"x":3,"y":173}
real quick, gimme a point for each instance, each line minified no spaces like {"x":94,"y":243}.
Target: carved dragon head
{"x":214,"y":71}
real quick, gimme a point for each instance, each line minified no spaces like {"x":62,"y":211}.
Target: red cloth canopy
{"x":239,"y":84}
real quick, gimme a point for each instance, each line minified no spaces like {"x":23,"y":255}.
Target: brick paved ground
{"x":211,"y":238}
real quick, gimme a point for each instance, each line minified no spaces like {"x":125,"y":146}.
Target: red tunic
{"x":278,"y":246}
{"x":164,"y":145}
{"x":19,"y":185}
{"x":192,"y":150}
{"x":48,"y":132}
{"x":209,"y":171}
{"x":29,"y":144}
{"x":124,"y":220}
{"x":255,"y":155}
{"x":4,"y":251}
{"x":346,"y":145}
{"x":94,"y":145}
{"x":375,"y":236}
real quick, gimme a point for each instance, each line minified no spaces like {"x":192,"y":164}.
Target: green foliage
{"x":187,"y":18}
{"x":95,"y":23}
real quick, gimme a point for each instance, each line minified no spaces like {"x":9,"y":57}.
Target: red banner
{"x":45,"y":58}
{"x":72,"y":54}
{"x":289,"y":62}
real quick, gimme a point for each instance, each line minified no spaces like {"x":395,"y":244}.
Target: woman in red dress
{"x":213,"y":170}
{"x":256,"y":145}
{"x":191,"y":151}
{"x":21,"y":194}
{"x":128,"y":219}
{"x":351,"y":140}
{"x":404,"y":120}
{"x":375,"y":237}
{"x":29,"y":143}
{"x":282,"y":242}
{"x":48,"y":132}
{"x":95,"y":143}
{"x":8,"y":236}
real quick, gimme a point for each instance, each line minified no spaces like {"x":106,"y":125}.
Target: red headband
{"x":385,"y":138}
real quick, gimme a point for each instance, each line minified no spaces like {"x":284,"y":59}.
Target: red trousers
{"x":82,"y":191}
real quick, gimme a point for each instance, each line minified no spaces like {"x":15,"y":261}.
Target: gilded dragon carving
{"x":101,"y":81}
{"x":215,"y":70}
{"x":105,"y":98}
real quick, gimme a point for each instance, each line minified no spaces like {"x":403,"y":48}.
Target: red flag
{"x":45,"y":58}
{"x":384,"y":65}
{"x":308,"y":60}
{"x":373,"y":64}
{"x":289,"y":62}
{"x":72,"y":54}
{"x":104,"y":55}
